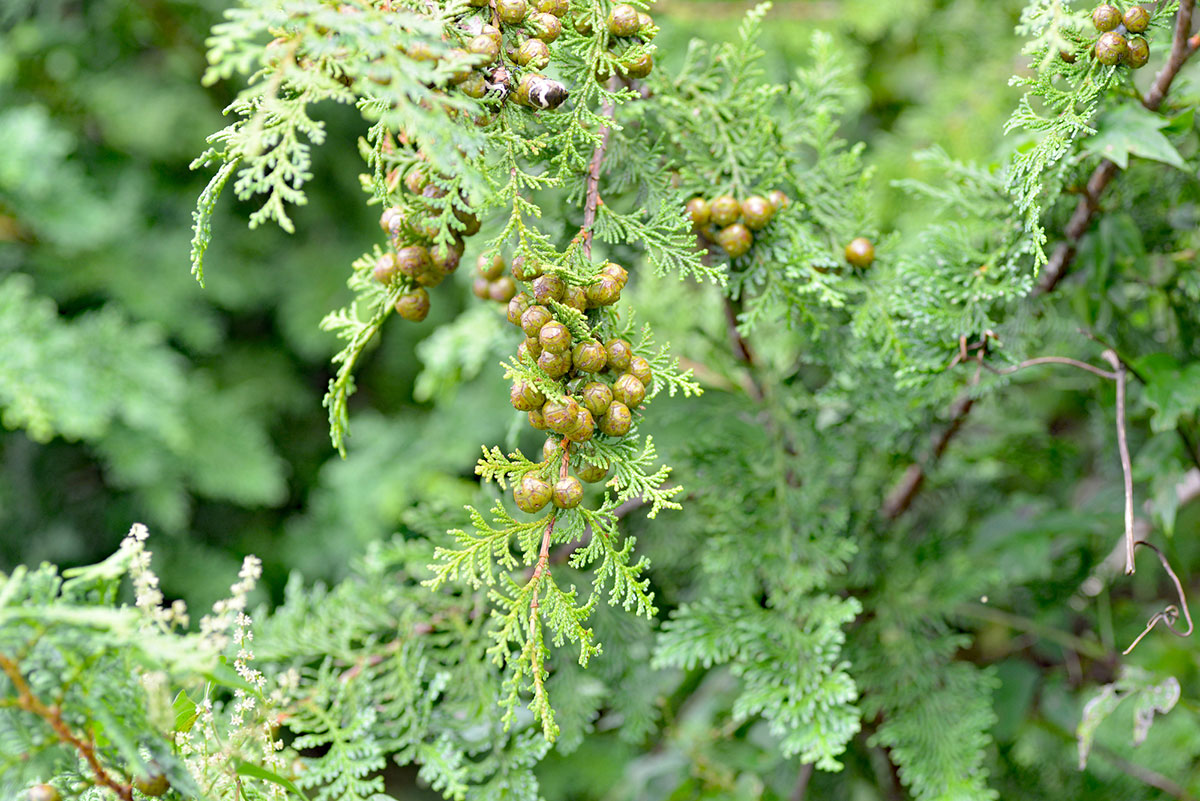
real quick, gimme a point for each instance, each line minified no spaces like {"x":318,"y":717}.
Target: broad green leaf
{"x":185,"y":712}
{"x":226,"y":676}
{"x":1171,"y":391}
{"x":259,"y":772}
{"x":1132,"y":130}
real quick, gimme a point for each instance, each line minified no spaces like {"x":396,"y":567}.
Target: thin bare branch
{"x":1111,"y":357}
{"x":1171,"y":613}
{"x":592,"y":200}
{"x":800,"y":788}
{"x":1052,"y":360}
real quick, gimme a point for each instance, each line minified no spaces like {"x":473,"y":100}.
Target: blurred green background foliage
{"x":198,"y":411}
{"x":128,"y":393}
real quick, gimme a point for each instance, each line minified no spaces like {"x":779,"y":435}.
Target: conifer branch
{"x":1182,"y":47}
{"x":52,"y":715}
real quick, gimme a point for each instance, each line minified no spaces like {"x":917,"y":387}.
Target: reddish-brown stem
{"x":902,"y":496}
{"x":592,"y":200}
{"x":1182,"y":47}
{"x":543,"y":562}
{"x":27,"y":701}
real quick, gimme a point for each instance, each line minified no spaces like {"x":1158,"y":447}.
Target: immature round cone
{"x":433,"y":190}
{"x":560,"y":414}
{"x":617,"y":273}
{"x":468,"y":219}
{"x":511,"y":12}
{"x":757,"y":212}
{"x":584,"y":428}
{"x":558,"y":8}
{"x":537,"y":420}
{"x":490,"y":268}
{"x":524,"y":269}
{"x":591,"y":473}
{"x":548,"y":287}
{"x":413,"y":261}
{"x":415,"y":180}
{"x":724,"y":210}
{"x":386,"y":268}
{"x":426,"y":227}
{"x":445,"y":258}
{"x":778,"y":199}
{"x":1106,"y":17}
{"x":629,"y":391}
{"x":596,"y":397}
{"x":482,"y":288}
{"x":153,"y":785}
{"x":1138,"y":53}
{"x":1137,"y":19}
{"x":420,"y":51}
{"x":391,"y":219}
{"x":534,"y":318}
{"x":413,"y":305}
{"x":604,"y":292}
{"x":550,"y":448}
{"x":525,"y":397}
{"x":575,"y":297}
{"x":697,"y":209}
{"x":475,"y":87}
{"x":484,"y":45}
{"x":430,"y":277}
{"x":517,"y":307}
{"x":639,"y":67}
{"x":568,"y":492}
{"x":532,"y":494}
{"x":735,"y":240}
{"x":533,"y":53}
{"x":459,"y":58}
{"x":617,"y":420}
{"x":502,"y":290}
{"x":639,"y":368}
{"x":546,"y":27}
{"x":531,"y":346}
{"x":555,"y":337}
{"x":645,"y":23}
{"x":620,"y":352}
{"x":1111,"y":48}
{"x":583,"y":24}
{"x":590,"y":357}
{"x":623,"y":20}
{"x":860,"y":252}
{"x":43,"y":792}
{"x":491,"y":30}
{"x":555,"y":365}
